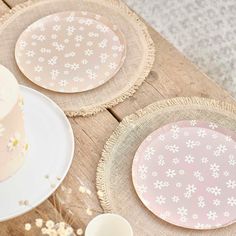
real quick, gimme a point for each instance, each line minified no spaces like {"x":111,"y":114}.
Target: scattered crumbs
{"x":71,"y":212}
{"x":63,"y":188}
{"x":50,"y":224}
{"x":39,"y":222}
{"x":100,"y":193}
{"x":28,"y":227}
{"x":26,"y":147}
{"x":44,"y":230}
{"x":21,"y":203}
{"x":62,"y":224}
{"x":79,"y":231}
{"x":88,"y":191}
{"x":69,"y":231}
{"x":26,"y":202}
{"x":82,"y":189}
{"x":89,"y":212}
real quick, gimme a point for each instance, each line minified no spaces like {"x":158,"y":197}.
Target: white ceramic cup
{"x":109,"y":225}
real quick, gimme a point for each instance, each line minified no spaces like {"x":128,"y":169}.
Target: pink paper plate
{"x":70,"y":51}
{"x":185,"y":174}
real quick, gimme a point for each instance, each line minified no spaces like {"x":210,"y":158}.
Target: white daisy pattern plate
{"x":184,"y":173}
{"x":70,"y":52}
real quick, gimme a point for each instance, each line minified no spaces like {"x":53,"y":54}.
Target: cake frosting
{"x":13,"y":144}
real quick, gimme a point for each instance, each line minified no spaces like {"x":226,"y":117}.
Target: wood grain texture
{"x":12,"y":3}
{"x":172,"y":75}
{"x":3,"y":8}
{"x":90,"y":135}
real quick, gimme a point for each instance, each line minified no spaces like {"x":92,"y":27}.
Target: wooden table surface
{"x":172,"y":76}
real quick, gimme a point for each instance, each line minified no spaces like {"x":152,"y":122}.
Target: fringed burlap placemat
{"x":138,"y":63}
{"x":114,"y":181}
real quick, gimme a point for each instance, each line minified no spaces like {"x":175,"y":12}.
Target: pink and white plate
{"x":70,"y":51}
{"x":184,"y":173}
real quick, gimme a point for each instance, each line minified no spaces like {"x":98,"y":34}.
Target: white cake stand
{"x":51,"y":150}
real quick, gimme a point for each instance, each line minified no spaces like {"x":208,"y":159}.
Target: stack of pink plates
{"x":184,"y":173}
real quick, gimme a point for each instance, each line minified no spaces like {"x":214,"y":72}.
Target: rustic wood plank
{"x":172,"y":75}
{"x":90,"y":135}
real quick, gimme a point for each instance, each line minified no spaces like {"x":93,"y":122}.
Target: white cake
{"x":13,"y":144}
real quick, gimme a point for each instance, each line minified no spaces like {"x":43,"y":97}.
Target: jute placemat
{"x":114,"y":181}
{"x":138,"y":63}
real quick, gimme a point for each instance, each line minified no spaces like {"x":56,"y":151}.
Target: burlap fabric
{"x":138,"y":63}
{"x":114,"y":181}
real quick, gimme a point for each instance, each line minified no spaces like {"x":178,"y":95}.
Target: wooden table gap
{"x":5,"y":2}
